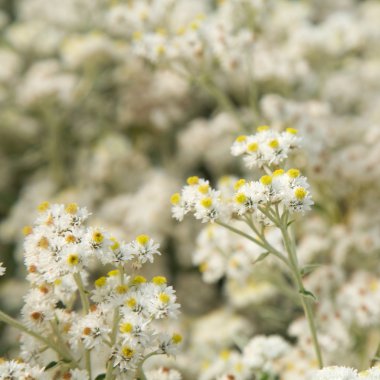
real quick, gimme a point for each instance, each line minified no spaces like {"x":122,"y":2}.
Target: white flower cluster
{"x":119,"y":323}
{"x":59,"y":245}
{"x":199,"y":40}
{"x":13,"y":369}
{"x":346,"y":373}
{"x":289,"y":190}
{"x":260,"y":357}
{"x":266,"y":147}
{"x":163,"y":374}
{"x":199,"y":198}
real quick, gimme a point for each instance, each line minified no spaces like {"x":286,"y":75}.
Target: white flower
{"x":92,"y":330}
{"x":336,"y":373}
{"x":126,"y":357}
{"x":163,"y":374}
{"x":143,"y":249}
{"x":2,"y":269}
{"x":266,"y":147}
{"x":261,"y":351}
{"x":21,"y":371}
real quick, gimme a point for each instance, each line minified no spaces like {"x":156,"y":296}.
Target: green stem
{"x":86,"y":308}
{"x":87,"y":356}
{"x":115,"y":325}
{"x":220,"y":97}
{"x":14,"y":323}
{"x":60,"y":341}
{"x":290,"y":247}
{"x":82,"y":293}
{"x":241,"y":233}
{"x":140,"y":370}
{"x":109,"y":375}
{"x":376,"y":357}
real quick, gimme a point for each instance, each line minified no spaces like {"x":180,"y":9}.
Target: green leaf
{"x":50,"y":365}
{"x":290,"y":222}
{"x":101,"y":376}
{"x":308,"y":294}
{"x":309,"y":268}
{"x":261,"y":257}
{"x":264,"y":376}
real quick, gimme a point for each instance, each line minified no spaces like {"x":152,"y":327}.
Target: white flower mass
{"x":221,"y":155}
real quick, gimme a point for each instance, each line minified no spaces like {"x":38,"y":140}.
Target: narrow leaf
{"x":50,"y":365}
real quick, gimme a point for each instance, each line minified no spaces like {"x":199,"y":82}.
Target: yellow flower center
{"x":175,"y":199}
{"x":142,"y":239}
{"x":225,"y":354}
{"x":159,"y":280}
{"x":100,"y":282}
{"x":192,"y":180}
{"x":87,"y":331}
{"x":131,"y":303}
{"x":240,"y":198}
{"x":43,"y":243}
{"x":121,"y":289}
{"x":278,"y":172}
{"x":293,"y":173}
{"x":238,"y":184}
{"x":115,"y":244}
{"x":97,"y":237}
{"x":113,"y":273}
{"x":127,"y":351}
{"x":206,"y":202}
{"x":252,"y":147}
{"x":203,"y":267}
{"x":137,"y":280}
{"x":203,"y":188}
{"x":176,"y":338}
{"x":274,"y":144}
{"x":43,"y":206}
{"x":70,"y":239}
{"x":292,"y":131}
{"x":126,"y":328}
{"x":241,"y":139}
{"x":73,"y":259}
{"x":300,"y":193}
{"x":27,"y":230}
{"x":71,"y":208}
{"x":262,"y":128}
{"x":164,"y":298}
{"x":266,"y":180}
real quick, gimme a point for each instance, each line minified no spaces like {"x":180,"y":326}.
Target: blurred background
{"x":112,"y":104}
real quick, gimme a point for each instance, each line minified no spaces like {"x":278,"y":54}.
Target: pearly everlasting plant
{"x":116,"y":325}
{"x":270,"y":203}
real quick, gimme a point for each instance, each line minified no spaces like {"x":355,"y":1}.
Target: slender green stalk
{"x":87,"y":356}
{"x":82,"y":293}
{"x":140,"y":370}
{"x":60,"y":341}
{"x":239,"y":232}
{"x":16,"y":324}
{"x":291,"y":262}
{"x":115,"y":325}
{"x":376,"y":357}
{"x":109,"y":375}
{"x":264,"y":244}
{"x":290,"y":247}
{"x":86,"y":308}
